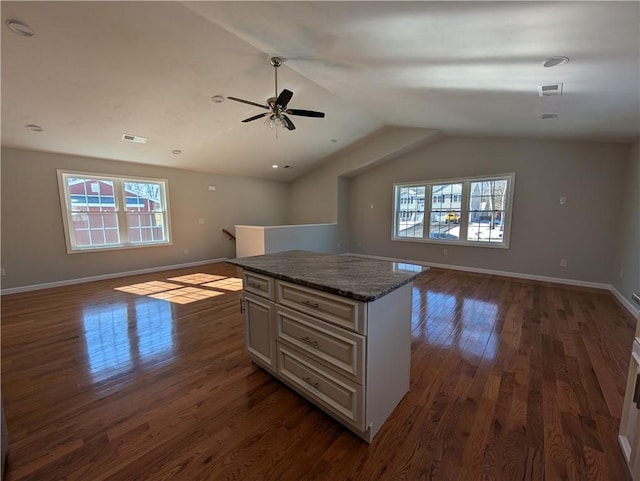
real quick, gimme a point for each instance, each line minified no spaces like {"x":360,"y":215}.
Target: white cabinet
{"x":350,"y":358}
{"x":630,"y":421}
{"x":259,"y":312}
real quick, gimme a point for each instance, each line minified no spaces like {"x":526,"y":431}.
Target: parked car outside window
{"x":452,"y":217}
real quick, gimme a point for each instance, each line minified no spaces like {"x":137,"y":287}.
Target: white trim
{"x":465,"y":193}
{"x":517,"y":275}
{"x":119,"y":197}
{"x":624,"y":301}
{"x":80,"y":280}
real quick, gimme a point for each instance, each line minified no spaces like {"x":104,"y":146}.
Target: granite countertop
{"x":359,"y":278}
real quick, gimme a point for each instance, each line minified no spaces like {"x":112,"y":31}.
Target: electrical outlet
{"x":372,"y":206}
{"x":200,"y":221}
{"x":563,"y":262}
{"x":445,"y":252}
{"x":186,"y":252}
{"x":563,"y":200}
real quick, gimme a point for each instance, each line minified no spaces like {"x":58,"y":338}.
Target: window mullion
{"x":426,"y":221}
{"x":464,"y":211}
{"x":121,"y":208}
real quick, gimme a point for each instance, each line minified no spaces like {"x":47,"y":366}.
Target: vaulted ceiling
{"x":93,"y":71}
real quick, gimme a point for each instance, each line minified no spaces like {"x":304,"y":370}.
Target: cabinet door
{"x":630,"y":422}
{"x":260,"y":332}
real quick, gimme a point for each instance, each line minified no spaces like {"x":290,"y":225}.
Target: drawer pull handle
{"x":311,"y":304}
{"x":310,"y":341}
{"x":636,"y":392}
{"x":255,"y":285}
{"x":241,"y":306}
{"x":309,"y":381}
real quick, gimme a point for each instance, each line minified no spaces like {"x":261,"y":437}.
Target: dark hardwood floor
{"x":510,"y":380}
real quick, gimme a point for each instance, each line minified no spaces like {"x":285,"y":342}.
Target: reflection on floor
{"x":471,"y":321}
{"x":119,"y":338}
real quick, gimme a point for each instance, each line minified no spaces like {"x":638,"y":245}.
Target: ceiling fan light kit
{"x":277,"y":106}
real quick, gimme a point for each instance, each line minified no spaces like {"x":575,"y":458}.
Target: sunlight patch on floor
{"x":209,"y":286}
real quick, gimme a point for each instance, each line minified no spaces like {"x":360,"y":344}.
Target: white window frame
{"x":464,"y":211}
{"x":120,"y":210}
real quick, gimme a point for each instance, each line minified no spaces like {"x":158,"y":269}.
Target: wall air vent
{"x":550,"y":89}
{"x":134,"y":138}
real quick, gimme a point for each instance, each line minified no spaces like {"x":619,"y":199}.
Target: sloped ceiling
{"x":96,"y":70}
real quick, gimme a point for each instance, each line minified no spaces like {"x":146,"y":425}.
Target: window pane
{"x":143,"y":227}
{"x":95,"y":228}
{"x":143,"y":197}
{"x":445,"y":211}
{"x":410,"y":213}
{"x":487,"y":204}
{"x":90,"y":195}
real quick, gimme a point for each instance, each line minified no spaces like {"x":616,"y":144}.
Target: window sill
{"x":117,"y":247}
{"x":422,"y":240}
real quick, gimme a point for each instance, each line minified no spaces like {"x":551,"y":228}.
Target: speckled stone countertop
{"x":358,"y":278}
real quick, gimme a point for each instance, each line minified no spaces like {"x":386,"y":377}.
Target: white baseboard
{"x":517,"y":275}
{"x":628,"y":305}
{"x":80,"y":280}
{"x":556,"y":280}
{"x":625,"y":302}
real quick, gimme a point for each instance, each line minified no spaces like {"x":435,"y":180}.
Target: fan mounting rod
{"x":276,"y":62}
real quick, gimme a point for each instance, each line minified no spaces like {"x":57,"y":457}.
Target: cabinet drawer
{"x":338,"y":395}
{"x":333,"y":346}
{"x":338,"y":310}
{"x":258,"y":284}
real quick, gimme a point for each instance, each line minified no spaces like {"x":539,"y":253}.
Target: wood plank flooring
{"x":146,"y":378}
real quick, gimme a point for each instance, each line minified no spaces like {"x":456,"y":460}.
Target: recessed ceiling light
{"x":33,"y":128}
{"x":549,"y":116}
{"x":217,"y":99}
{"x":555,"y":61}
{"x":20,"y":28}
{"x":274,"y":166}
{"x":176,"y":152}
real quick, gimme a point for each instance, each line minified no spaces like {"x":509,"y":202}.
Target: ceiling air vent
{"x":550,"y":89}
{"x":134,"y":138}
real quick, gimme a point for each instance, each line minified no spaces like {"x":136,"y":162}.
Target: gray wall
{"x":584,"y":231}
{"x":33,"y":246}
{"x":321,"y":196}
{"x":314,"y":197}
{"x":628,"y":252}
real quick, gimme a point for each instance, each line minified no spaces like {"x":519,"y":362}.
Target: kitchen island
{"x":334,"y":328}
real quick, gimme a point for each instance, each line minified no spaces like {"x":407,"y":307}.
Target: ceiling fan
{"x":278,"y":112}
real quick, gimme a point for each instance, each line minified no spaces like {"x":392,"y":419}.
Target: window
{"x":469,"y":211}
{"x":106,"y":212}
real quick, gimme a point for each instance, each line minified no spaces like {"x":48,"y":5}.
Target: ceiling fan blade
{"x":248,"y":102}
{"x":256,"y":117}
{"x":305,"y":113}
{"x":288,"y":123}
{"x":284,"y":98}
